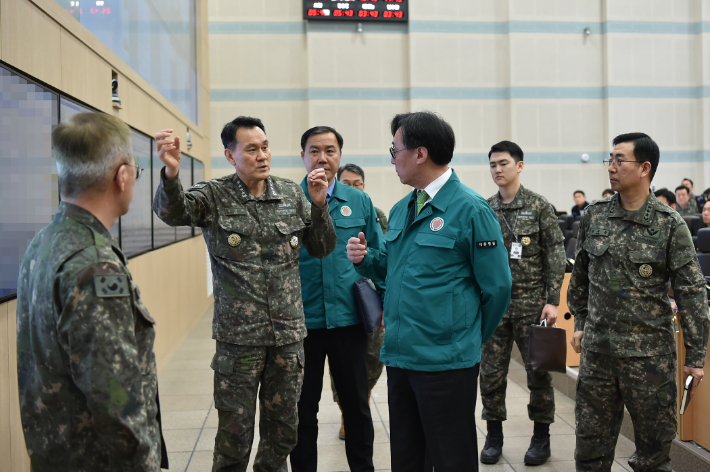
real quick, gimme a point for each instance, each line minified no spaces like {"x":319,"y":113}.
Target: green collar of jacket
{"x":244,"y":194}
{"x":642,"y":216}
{"x":517,"y":203}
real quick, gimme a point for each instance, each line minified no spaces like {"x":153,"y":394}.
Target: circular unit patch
{"x":234,"y":240}
{"x":436,"y":224}
{"x":294,"y":242}
{"x":645,"y":270}
{"x":525,"y":241}
{"x":346,"y":211}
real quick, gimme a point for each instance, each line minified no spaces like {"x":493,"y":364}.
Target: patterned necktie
{"x":422,"y":197}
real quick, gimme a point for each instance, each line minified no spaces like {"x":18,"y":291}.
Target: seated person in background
{"x":666,"y":196}
{"x":85,"y":364}
{"x":706,"y":215}
{"x":580,"y":203}
{"x":607,"y":193}
{"x":692,"y":199}
{"x":683,"y":204}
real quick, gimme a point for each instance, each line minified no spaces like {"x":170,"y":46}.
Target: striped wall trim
{"x":572,"y":157}
{"x":455,"y":93}
{"x":466,"y":27}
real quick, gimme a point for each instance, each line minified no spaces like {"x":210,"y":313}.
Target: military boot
{"x":492,"y":450}
{"x":539,"y":450}
{"x":341,"y":433}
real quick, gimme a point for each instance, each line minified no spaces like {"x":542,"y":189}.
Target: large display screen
{"x":356,"y":10}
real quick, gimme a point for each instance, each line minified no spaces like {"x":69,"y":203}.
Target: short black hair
{"x":691,"y":182}
{"x":320,"y":130}
{"x":229,"y":132}
{"x":682,"y":187}
{"x":429,"y":130}
{"x":578,"y":191}
{"x":645,"y":148}
{"x":352,"y":168}
{"x":507,"y":146}
{"x":608,"y":191}
{"x":667,"y":194}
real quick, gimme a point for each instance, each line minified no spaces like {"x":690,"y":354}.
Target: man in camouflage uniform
{"x":254,"y":225}
{"x":684,"y":205}
{"x":537,"y":263}
{"x":85,"y":364}
{"x":631,"y":248}
{"x":353,"y":176}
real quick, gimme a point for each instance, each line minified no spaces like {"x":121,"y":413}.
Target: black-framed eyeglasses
{"x":139,"y":170}
{"x":393,"y":151}
{"x":615,"y":160}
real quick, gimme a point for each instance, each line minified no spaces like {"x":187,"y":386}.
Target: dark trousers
{"x":433,"y":413}
{"x":346,"y":348}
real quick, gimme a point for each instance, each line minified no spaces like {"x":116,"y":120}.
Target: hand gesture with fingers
{"x":169,"y":152}
{"x":357,"y":248}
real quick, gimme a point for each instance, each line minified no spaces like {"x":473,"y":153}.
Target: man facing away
{"x":334,"y":326}
{"x":448,"y":286}
{"x":353,"y":176}
{"x":631,"y":248}
{"x":254,"y":225}
{"x":85,"y":364}
{"x":537,"y":263}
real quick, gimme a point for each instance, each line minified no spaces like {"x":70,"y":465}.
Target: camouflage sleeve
{"x":383,"y":220}
{"x":578,"y":291}
{"x":178,"y":208}
{"x":319,"y":237}
{"x":97,"y":331}
{"x":553,"y":254}
{"x":688,"y":286}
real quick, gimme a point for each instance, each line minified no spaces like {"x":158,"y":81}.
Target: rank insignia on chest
{"x":526,"y":241}
{"x":294,"y":242}
{"x":234,"y":240}
{"x":645,"y":270}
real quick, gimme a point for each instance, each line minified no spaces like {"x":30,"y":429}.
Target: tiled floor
{"x":190,"y":420}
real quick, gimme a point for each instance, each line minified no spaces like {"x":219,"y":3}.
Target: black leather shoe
{"x":492,"y":450}
{"x":539,"y":450}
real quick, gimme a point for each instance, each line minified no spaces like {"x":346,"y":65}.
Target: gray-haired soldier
{"x":85,"y":363}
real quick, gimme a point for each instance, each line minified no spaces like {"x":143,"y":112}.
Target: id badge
{"x":516,"y":251}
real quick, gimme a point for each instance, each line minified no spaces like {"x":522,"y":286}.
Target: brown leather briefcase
{"x":547,"y":349}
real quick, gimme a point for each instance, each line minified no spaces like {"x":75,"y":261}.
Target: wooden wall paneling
{"x":685,"y":421}
{"x":5,"y":447}
{"x":31,"y":41}
{"x":568,"y":325}
{"x":701,"y":412}
{"x":20,"y":459}
{"x":85,"y":75}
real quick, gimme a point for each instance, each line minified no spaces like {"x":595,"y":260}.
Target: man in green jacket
{"x":448,"y":287}
{"x":334,"y":327}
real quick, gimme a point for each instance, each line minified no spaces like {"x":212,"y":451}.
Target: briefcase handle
{"x":544,"y":323}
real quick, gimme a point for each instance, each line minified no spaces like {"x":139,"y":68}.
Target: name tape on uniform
{"x":485,"y":244}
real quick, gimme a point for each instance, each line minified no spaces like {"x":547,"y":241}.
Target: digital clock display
{"x":356,"y":10}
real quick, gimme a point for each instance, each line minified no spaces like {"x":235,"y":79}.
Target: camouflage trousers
{"x":495,"y":359}
{"x":238,"y":372}
{"x":374,"y":366}
{"x":647,"y":387}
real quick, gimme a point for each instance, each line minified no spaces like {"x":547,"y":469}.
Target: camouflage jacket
{"x":624,"y":266}
{"x":538,"y":276}
{"x":381,"y":219}
{"x":85,"y":363}
{"x":254,"y":245}
{"x":691,"y":208}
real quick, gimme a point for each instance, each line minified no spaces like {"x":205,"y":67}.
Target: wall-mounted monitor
{"x":382,"y":11}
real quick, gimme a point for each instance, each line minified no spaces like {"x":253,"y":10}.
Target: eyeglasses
{"x":139,"y":170}
{"x":393,"y":151}
{"x":615,"y":160}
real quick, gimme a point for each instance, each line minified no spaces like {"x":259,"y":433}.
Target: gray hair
{"x":88,"y":149}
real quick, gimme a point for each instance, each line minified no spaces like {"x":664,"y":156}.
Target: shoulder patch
{"x":198,"y":186}
{"x":110,"y":286}
{"x":682,"y":236}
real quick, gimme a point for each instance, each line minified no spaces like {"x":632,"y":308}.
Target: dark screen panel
{"x":185,"y":176}
{"x":198,"y":175}
{"x":384,"y":11}
{"x":136,"y":234}
{"x":162,"y":233}
{"x":28,"y":174}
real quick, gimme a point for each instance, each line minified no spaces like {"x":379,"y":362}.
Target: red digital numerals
{"x":365,"y":14}
{"x":392,"y":14}
{"x":343,"y":13}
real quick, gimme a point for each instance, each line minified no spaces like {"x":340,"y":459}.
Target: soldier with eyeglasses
{"x":630,"y":249}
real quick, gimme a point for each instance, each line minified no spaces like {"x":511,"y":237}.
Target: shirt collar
{"x":433,"y":188}
{"x":517,"y":201}
{"x":102,"y":236}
